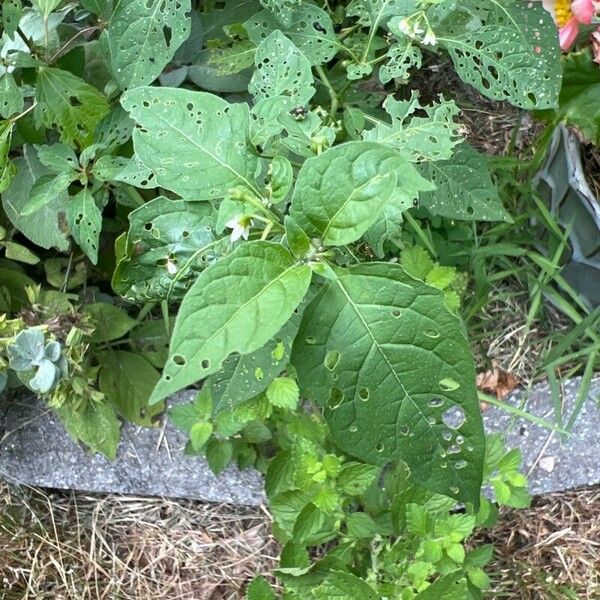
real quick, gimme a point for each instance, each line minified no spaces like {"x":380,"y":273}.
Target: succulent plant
{"x":31,"y":352}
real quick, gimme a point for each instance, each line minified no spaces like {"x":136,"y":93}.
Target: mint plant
{"x":249,"y":167}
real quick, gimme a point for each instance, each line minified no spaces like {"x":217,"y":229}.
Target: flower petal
{"x":584,"y":10}
{"x":550,"y":5}
{"x":568,"y":34}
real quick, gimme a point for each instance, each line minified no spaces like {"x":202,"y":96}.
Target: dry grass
{"x":81,"y":547}
{"x":70,"y":546}
{"x":551,"y":551}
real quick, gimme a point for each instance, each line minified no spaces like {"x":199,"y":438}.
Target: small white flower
{"x":240,"y":227}
{"x":429,"y":39}
{"x":171,"y":268}
{"x":404,"y":27}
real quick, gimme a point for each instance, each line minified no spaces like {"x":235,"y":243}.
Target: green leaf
{"x":169,"y":243}
{"x":309,"y":524}
{"x":185,"y":416}
{"x":427,"y":138}
{"x":510,"y":53}
{"x":283,"y":392}
{"x":20,"y":253}
{"x":209,"y":132}
{"x":109,"y":321}
{"x":280,"y":179}
{"x":311,"y":31}
{"x":12,"y":11}
{"x":385,"y":399}
{"x":46,"y":6}
{"x":94,"y":423}
{"x":245,"y":376}
{"x":11,"y":96}
{"x":360,"y":526}
{"x":7,"y":167}
{"x":281,"y":70}
{"x":356,"y":478}
{"x":378,"y":12}
{"x":68,"y":103}
{"x":283,"y":10}
{"x":340,"y":585}
{"x":58,"y":158}
{"x":464,"y":188}
{"x":449,"y":587}
{"x":339,"y":194}
{"x":45,"y":226}
{"x":296,"y":238}
{"x":402,"y":57}
{"x":259,"y":589}
{"x":218,"y":454}
{"x":45,"y":190}
{"x":238,"y":304}
{"x":143,"y":38}
{"x":200,"y":434}
{"x":416,"y":261}
{"x":85,"y":222}
{"x":127,"y":380}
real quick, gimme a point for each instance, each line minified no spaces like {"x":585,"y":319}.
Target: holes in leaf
{"x":168,"y":34}
{"x":336,"y":397}
{"x":205,"y":364}
{"x":448,"y":385}
{"x":454,"y":417}
{"x":179,"y":360}
{"x":403,"y":430}
{"x":396,"y":313}
{"x":363,"y":394}
{"x":332,"y":358}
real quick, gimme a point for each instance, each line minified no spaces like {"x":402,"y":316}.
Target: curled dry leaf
{"x":497,"y":381}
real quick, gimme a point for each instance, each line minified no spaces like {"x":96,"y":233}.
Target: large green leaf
{"x":168,"y":244}
{"x":510,"y":52}
{"x":68,"y":103}
{"x":431,"y":137}
{"x":341,"y":585}
{"x":85,"y":222}
{"x":244,"y":376}
{"x":12,"y":10}
{"x":340,"y":193}
{"x":311,"y":30}
{"x":7,"y":167}
{"x":194,"y":142}
{"x":11,"y":96}
{"x":236,"y":305}
{"x":392,"y":368}
{"x":45,"y":227}
{"x":281,"y":70}
{"x":127,"y":380}
{"x":144,"y":36}
{"x":464,"y":188}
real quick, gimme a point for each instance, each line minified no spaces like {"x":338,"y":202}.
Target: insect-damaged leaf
{"x":394,"y":373}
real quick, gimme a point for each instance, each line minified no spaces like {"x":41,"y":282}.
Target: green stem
{"x":27,"y":41}
{"x":335,"y":102}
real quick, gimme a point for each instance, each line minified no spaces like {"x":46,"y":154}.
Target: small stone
{"x":547,"y":463}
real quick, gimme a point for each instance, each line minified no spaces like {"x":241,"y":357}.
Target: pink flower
{"x":569,"y":15}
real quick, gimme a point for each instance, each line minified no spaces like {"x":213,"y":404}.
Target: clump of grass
{"x":77,"y":546}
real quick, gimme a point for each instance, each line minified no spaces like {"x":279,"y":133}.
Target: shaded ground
{"x":76,"y":547}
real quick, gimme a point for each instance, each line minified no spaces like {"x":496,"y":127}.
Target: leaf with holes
{"x":127,"y":380}
{"x":311,"y":31}
{"x":283,"y":10}
{"x":68,"y":103}
{"x":377,"y":12}
{"x":510,"y":53}
{"x":11,"y":96}
{"x":143,"y":38}
{"x":432,"y":137}
{"x":236,"y":305}
{"x":169,"y":243}
{"x":45,"y":226}
{"x":281,"y":70}
{"x":85,"y":222}
{"x":340,"y":193}
{"x":464,"y":188}
{"x":394,"y":373}
{"x":12,"y":10}
{"x":401,"y":58}
{"x":194,"y":142}
{"x":245,"y":376}
{"x":7,"y":167}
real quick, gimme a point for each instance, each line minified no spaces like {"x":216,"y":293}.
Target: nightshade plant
{"x":251,"y":164}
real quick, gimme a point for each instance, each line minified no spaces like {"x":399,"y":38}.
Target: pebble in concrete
{"x":36,"y":451}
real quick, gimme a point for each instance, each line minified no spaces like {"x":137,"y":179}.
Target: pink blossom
{"x":568,"y":16}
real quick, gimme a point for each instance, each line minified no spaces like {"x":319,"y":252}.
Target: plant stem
{"x":335,"y":103}
{"x":27,"y":41}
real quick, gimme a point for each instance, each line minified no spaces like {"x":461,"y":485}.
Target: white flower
{"x":171,"y":268}
{"x":240,"y":227}
{"x":429,"y":39}
{"x":404,"y":27}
